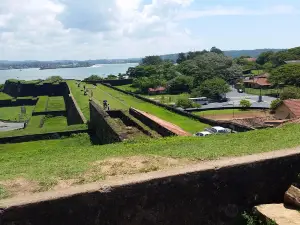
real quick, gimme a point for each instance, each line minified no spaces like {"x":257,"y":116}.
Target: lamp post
{"x":260,"y":96}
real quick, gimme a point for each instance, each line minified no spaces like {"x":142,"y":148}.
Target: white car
{"x":217,"y":130}
{"x":202,"y":134}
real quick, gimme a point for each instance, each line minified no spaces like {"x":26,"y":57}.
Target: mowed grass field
{"x":49,"y":162}
{"x":13,"y":113}
{"x":57,"y":121}
{"x":118,"y":100}
{"x":56,"y":103}
{"x":4,"y":96}
{"x":41,"y":105}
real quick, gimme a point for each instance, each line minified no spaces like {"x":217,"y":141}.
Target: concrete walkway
{"x":6,"y":126}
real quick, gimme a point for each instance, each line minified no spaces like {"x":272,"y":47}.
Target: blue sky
{"x":89,"y":29}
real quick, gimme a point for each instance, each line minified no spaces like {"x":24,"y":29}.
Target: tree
{"x":152,"y":60}
{"x":290,"y":93}
{"x":184,"y":102}
{"x":274,"y":104}
{"x":180,"y":84}
{"x":209,"y":66}
{"x":214,"y":88}
{"x":264,"y":57}
{"x":121,"y":76}
{"x":216,"y":50}
{"x":93,"y":78}
{"x":288,"y":74}
{"x":181,"y":58}
{"x":245,"y":103}
{"x":54,"y":79}
{"x":144,"y":83}
{"x":111,"y":77}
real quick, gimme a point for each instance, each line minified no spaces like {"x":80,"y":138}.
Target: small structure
{"x":260,"y":81}
{"x":158,"y":90}
{"x":292,"y":62}
{"x":288,"y":109}
{"x":250,"y":59}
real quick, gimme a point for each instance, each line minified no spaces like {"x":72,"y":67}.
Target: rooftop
{"x":293,"y":105}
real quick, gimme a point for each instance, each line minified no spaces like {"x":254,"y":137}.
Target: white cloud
{"x":83,"y":29}
{"x":238,"y":11}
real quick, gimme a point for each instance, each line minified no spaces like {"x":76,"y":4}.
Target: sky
{"x":99,"y":29}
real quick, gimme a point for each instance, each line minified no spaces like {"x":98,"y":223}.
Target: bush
{"x":290,"y":93}
{"x":275,"y":104}
{"x":186,"y":103}
{"x":54,"y":79}
{"x":245,"y":103}
{"x":93,"y":78}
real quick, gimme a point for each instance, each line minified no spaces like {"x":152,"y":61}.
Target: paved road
{"x":235,"y":98}
{"x":10,"y":126}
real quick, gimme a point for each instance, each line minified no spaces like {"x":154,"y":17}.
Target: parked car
{"x":217,"y":130}
{"x":202,"y":134}
{"x":200,"y":100}
{"x":240,"y":91}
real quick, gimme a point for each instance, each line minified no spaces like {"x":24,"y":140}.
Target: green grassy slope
{"x":13,"y":113}
{"x":56,"y":103}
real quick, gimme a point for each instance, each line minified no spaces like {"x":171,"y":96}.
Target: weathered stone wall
{"x":127,"y":120}
{"x":152,"y":124}
{"x":211,"y":193}
{"x":18,"y":102}
{"x":113,"y":82}
{"x":101,"y":123}
{"x":74,"y":113}
{"x":20,"y":90}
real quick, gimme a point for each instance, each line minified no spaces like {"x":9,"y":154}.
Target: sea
{"x":101,"y":70}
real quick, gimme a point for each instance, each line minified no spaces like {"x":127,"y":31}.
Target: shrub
{"x":274,"y":104}
{"x":290,"y":93}
{"x":186,"y":103}
{"x":93,"y":78}
{"x":245,"y":103}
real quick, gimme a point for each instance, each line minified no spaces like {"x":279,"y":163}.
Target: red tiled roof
{"x":251,"y":59}
{"x":293,"y":105}
{"x":261,"y":81}
{"x":157,"y":89}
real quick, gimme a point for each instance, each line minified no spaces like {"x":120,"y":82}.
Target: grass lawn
{"x":81,"y":99}
{"x":13,"y":113}
{"x":128,"y":87}
{"x":34,"y":122}
{"x":4,"y":96}
{"x":50,"y":161}
{"x":56,"y":104}
{"x":118,"y":100}
{"x":223,"y":112}
{"x":57,"y":121}
{"x":257,"y":72}
{"x":167,"y":99}
{"x":254,"y":91}
{"x":41,"y":105}
{"x":34,"y":129}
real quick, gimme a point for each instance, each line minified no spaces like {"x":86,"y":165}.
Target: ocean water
{"x":70,"y":73}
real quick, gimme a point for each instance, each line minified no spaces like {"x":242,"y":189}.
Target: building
{"x":155,"y":91}
{"x":293,"y":62}
{"x":288,"y":109}
{"x":258,"y":82}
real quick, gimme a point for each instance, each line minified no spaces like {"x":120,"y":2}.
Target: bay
{"x":69,"y":73}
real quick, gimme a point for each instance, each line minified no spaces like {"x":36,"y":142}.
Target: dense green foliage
{"x":275,"y":103}
{"x":93,"y":78}
{"x":288,"y":74}
{"x":180,"y":84}
{"x":245,"y":103}
{"x":213,"y":88}
{"x":186,"y":103}
{"x":53,"y":80}
{"x":192,"y":70}
{"x":290,"y":92}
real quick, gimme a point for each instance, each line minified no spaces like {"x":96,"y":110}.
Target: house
{"x":155,"y":91}
{"x":293,"y":62}
{"x":250,"y":59}
{"x":288,"y":109}
{"x":260,"y":81}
